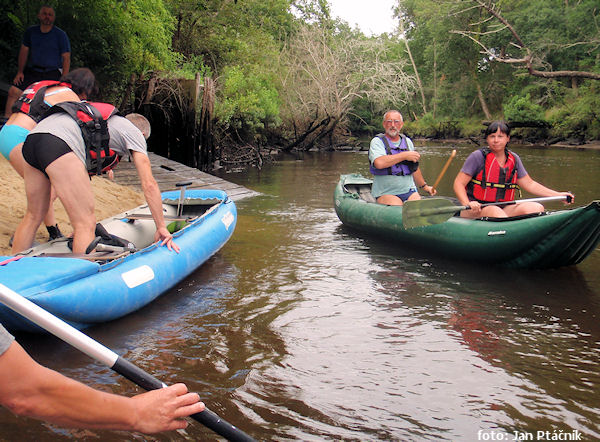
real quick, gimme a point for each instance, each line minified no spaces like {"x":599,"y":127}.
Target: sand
{"x":111,"y":198}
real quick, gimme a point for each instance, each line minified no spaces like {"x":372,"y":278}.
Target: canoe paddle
{"x":106,"y":356}
{"x":429,"y":211}
{"x":444,"y":169}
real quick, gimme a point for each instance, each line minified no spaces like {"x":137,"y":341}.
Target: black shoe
{"x":54,"y":232}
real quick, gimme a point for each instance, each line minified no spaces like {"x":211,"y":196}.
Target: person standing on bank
{"x":395,"y":164}
{"x":45,"y":54}
{"x":493,"y":174}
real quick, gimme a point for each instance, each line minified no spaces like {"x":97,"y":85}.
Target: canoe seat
{"x":363,"y":191}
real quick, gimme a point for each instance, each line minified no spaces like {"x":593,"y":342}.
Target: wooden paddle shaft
{"x":444,"y":169}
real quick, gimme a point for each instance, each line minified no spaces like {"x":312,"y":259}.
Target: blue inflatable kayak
{"x":116,"y":280}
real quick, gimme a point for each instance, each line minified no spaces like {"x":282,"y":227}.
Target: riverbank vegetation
{"x":290,"y":76}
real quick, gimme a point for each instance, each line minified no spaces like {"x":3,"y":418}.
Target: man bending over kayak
{"x":56,"y":154}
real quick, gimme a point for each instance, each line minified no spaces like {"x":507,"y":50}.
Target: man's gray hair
{"x":141,"y":123}
{"x":389,"y":112}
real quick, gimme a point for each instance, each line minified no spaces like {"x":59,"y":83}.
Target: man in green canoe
{"x":395,"y":164}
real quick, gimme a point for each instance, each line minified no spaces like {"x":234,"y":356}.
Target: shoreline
{"x":595,"y":145}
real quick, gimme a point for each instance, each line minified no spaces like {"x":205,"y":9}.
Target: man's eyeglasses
{"x":393,"y":121}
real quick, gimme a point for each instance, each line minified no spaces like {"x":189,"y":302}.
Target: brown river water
{"x":299,"y":329}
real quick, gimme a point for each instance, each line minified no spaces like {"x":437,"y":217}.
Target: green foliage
{"x":248,"y":102}
{"x":117,"y":39}
{"x":523,"y":109}
{"x":188,"y":67}
{"x":226,"y":33}
{"x":242,"y":44}
{"x":430,"y":127}
{"x":579,"y":116}
{"x":447,"y":38}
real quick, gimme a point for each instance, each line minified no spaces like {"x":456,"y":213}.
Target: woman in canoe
{"x":493,"y":174}
{"x":79,"y":84}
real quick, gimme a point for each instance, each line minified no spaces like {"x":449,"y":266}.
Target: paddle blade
{"x":427,"y":212}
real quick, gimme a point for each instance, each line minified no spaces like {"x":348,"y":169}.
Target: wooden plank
{"x":168,"y":173}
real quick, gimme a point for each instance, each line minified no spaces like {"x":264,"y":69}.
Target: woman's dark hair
{"x":82,"y":80}
{"x":494,"y":126}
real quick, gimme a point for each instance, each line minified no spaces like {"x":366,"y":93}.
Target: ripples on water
{"x":300,"y":329}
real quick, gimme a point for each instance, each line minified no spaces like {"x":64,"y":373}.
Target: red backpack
{"x":92,"y":120}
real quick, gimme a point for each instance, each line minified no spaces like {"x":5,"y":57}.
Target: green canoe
{"x":551,"y":239}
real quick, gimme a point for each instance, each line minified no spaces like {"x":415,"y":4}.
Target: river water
{"x":299,"y":329}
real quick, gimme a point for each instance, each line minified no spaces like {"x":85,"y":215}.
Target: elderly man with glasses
{"x":395,"y":164}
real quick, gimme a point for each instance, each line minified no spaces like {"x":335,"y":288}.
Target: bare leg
{"x":37,"y":190}
{"x":13,"y":93}
{"x":415,"y":196}
{"x":390,"y":200}
{"x":523,"y":209}
{"x":393,"y":200}
{"x":18,"y":163}
{"x":72,"y":184}
{"x":489,"y":211}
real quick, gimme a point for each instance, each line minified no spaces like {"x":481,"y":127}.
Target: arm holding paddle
{"x":422,"y":184}
{"x":30,"y":389}
{"x":478,"y":210}
{"x":529,"y":185}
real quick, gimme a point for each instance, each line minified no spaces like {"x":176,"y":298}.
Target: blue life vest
{"x":401,"y":168}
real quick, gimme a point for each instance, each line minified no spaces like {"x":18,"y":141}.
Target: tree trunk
{"x":414,"y":68}
{"x":482,"y":101}
{"x":434,"y":78}
{"x":206,"y":147}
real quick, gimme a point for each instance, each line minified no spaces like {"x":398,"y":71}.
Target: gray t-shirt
{"x":124,"y":136}
{"x":6,"y":339}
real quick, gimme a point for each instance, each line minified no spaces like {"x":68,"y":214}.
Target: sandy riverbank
{"x":111,"y":198}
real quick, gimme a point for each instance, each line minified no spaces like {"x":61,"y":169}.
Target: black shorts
{"x":31,"y":76}
{"x":41,"y":150}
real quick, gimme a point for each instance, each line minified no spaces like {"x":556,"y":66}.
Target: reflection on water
{"x":300,"y":329}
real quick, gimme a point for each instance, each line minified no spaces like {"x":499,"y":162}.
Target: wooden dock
{"x":168,"y":173}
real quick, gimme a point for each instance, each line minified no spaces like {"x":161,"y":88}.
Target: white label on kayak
{"x":138,"y":276}
{"x":497,"y":232}
{"x":227,"y":219}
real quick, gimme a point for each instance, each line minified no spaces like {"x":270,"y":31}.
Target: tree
{"x":453,"y":79}
{"x":516,"y":52}
{"x":323,"y":74}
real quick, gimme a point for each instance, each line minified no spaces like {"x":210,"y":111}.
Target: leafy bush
{"x":579,"y":116}
{"x":521,"y":109}
{"x":249,"y":102}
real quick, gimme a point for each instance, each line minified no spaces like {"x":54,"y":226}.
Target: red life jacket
{"x":31,"y":102}
{"x":92,"y":120}
{"x":494,"y":183}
